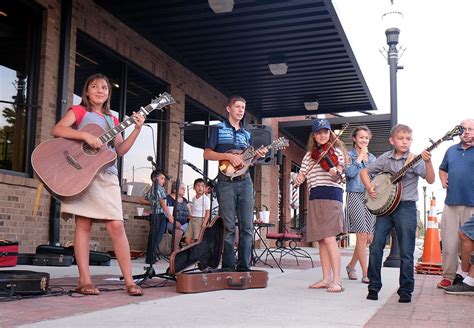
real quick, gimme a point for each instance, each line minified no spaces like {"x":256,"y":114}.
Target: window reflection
{"x":296,"y":198}
{"x":17,"y":67}
{"x":132,"y":88}
{"x":195,"y":138}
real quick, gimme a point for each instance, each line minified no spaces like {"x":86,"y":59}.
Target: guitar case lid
{"x":207,"y":251}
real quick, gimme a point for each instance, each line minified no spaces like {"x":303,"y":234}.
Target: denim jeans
{"x":236,"y":200}
{"x":404,"y":221}
{"x":155,"y":234}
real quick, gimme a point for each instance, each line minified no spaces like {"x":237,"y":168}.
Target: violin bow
{"x":324,"y":153}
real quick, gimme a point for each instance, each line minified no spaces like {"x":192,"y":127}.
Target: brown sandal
{"x":134,"y":290}
{"x":87,"y":289}
{"x":322,"y":284}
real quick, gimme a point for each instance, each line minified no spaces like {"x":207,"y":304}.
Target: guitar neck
{"x":164,"y":100}
{"x":397,"y":176}
{"x":110,"y":134}
{"x":252,"y":153}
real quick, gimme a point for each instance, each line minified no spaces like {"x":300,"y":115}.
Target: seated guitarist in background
{"x":235,"y":196}
{"x":102,"y":201}
{"x":403,"y":218}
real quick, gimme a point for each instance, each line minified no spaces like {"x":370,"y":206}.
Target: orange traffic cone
{"x":431,"y":260}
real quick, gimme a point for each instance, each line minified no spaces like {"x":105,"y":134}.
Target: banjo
{"x":389,"y":187}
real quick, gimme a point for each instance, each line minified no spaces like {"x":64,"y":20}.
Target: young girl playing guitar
{"x":102,"y":200}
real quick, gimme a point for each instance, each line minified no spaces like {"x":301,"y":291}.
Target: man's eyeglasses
{"x":467,"y":129}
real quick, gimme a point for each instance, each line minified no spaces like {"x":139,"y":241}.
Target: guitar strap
{"x":409,"y":159}
{"x":110,"y":122}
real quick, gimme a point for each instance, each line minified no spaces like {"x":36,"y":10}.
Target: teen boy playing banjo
{"x":403,"y":218}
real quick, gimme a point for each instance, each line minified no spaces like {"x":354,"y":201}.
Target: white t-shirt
{"x":200,"y":205}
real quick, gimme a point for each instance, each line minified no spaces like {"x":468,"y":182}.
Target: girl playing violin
{"x":325,"y":211}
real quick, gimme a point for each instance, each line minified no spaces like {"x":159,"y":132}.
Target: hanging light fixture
{"x":221,"y":6}
{"x":311,"y":103}
{"x":278,"y":65}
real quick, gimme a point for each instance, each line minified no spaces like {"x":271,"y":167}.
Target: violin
{"x":327,"y":158}
{"x":323,"y":152}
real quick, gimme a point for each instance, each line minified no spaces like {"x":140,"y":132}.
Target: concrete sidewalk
{"x":286,"y":302}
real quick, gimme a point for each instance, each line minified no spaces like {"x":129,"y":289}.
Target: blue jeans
{"x":155,"y":234}
{"x":236,"y":199}
{"x":404,"y":221}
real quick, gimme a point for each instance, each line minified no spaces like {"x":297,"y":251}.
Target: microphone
{"x":191,"y":165}
{"x":150,"y":159}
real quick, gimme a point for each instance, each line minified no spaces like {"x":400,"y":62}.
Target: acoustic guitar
{"x":68,"y":166}
{"x":226,"y":168}
{"x":389,"y":187}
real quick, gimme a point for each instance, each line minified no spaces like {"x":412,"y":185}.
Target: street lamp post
{"x":392,"y":18}
{"x":392,"y":34}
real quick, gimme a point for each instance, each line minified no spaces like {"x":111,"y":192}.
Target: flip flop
{"x":322,"y":284}
{"x":134,"y":290}
{"x":87,"y":289}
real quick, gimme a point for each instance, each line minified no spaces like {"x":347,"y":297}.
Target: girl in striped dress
{"x":358,"y":218}
{"x":325,"y":210}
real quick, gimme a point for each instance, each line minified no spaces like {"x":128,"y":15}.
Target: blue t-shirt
{"x":224,"y":137}
{"x":459,"y":164}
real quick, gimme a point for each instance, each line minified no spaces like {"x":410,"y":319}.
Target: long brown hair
{"x":85,"y":99}
{"x":360,"y":128}
{"x":313,"y":145}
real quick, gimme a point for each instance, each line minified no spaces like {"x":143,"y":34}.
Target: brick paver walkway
{"x":112,"y":295}
{"x":430,"y":307}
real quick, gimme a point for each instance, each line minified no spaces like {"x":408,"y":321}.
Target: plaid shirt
{"x":153,"y":195}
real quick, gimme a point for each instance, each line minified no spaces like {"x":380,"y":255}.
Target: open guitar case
{"x":207,"y":253}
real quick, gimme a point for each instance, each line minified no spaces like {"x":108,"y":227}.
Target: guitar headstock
{"x":280,"y":143}
{"x":163,"y":100}
{"x":457,"y":131}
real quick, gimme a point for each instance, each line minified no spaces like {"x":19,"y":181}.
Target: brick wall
{"x":18,"y":193}
{"x":267,"y":186}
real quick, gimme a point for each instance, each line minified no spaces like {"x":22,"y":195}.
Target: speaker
{"x":262,"y":135}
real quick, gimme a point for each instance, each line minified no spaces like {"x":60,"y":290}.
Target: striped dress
{"x":357,"y":218}
{"x":325,"y":214}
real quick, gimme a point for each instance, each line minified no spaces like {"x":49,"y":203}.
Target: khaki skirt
{"x":101,"y":201}
{"x":325,"y":218}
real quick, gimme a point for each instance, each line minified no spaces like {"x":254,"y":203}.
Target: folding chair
{"x":293,"y":238}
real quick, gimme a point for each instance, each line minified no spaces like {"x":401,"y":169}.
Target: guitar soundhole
{"x":89,"y":150}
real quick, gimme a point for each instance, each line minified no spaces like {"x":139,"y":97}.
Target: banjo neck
{"x":399,"y":175}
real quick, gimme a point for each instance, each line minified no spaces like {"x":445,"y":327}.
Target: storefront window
{"x":132,"y":88}
{"x":19,"y":42}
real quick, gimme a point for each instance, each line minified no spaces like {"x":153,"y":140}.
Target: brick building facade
{"x":18,"y":192}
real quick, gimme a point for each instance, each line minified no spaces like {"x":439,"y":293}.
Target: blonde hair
{"x":85,"y":99}
{"x":400,"y":128}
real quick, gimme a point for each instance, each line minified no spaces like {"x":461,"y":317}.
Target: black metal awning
{"x":231,"y":51}
{"x":379,"y":125}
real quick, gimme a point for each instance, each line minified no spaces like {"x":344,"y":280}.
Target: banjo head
{"x":386,"y":194}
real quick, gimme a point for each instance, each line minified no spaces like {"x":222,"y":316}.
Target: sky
{"x":435,"y":86}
